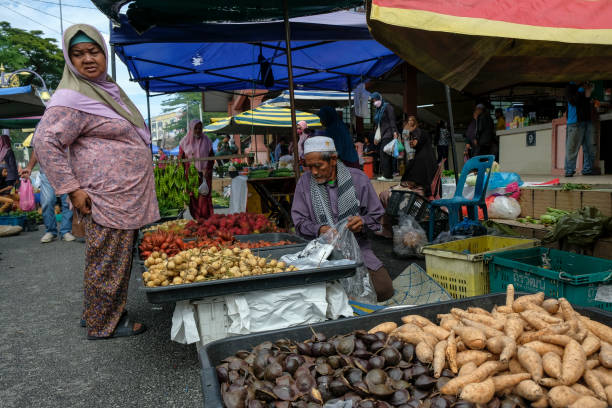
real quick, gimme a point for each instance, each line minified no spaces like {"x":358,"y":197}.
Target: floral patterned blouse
{"x":106,"y":158}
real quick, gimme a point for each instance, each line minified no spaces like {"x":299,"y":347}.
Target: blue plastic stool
{"x":454,"y":205}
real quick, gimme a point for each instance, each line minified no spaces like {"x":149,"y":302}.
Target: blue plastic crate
{"x":13,"y":220}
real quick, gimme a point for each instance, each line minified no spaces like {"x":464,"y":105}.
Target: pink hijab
{"x":196,"y":146}
{"x":5,"y":146}
{"x":71,"y":98}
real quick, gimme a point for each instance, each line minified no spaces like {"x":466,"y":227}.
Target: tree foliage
{"x":21,"y":49}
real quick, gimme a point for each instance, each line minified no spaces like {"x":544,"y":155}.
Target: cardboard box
{"x":599,"y":199}
{"x":568,"y":200}
{"x":526,"y":201}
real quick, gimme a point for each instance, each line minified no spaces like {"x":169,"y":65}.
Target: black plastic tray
{"x":300,"y":243}
{"x":213,"y":353}
{"x":222,"y":287}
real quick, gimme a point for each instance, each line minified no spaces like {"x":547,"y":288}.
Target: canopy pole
{"x":350,"y":89}
{"x":113,"y":55}
{"x":451,"y":124}
{"x":296,"y":158}
{"x":149,"y":115}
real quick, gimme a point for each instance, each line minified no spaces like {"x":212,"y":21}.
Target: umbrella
{"x":20,"y":101}
{"x":264,"y":119}
{"x":306,"y":99}
{"x":28,"y":140}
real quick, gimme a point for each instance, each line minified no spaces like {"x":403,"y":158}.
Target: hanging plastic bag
{"x":408,"y":237}
{"x":377,"y":135}
{"x":203,"y":189}
{"x":503,"y":207}
{"x":389,"y":147}
{"x":398,"y":149}
{"x":341,"y":241}
{"x":26,"y":196}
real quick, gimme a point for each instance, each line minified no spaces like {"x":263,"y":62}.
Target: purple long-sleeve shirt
{"x":370,"y":210}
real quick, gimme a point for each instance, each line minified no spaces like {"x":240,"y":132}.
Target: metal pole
{"x":296,"y":166}
{"x":149,"y":113}
{"x":61,"y":18}
{"x":348,"y":80}
{"x":113,"y":55}
{"x":451,"y":124}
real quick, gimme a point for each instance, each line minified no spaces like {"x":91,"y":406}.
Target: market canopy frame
{"x":20,"y":101}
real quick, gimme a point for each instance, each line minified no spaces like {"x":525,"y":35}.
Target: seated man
{"x":330,"y":192}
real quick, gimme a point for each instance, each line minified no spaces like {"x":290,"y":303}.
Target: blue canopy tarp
{"x":173,"y":152}
{"x":332,"y":51}
{"x":20,"y":101}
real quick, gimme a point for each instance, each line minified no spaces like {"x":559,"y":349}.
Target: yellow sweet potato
{"x":560,"y":328}
{"x":386,"y":328}
{"x":573,"y":363}
{"x":541,"y":403}
{"x":439,"y":332}
{"x":439,"y":358}
{"x":592,"y":363}
{"x":544,"y":348}
{"x":483,"y":372}
{"x":551,"y":306}
{"x":533,"y":319}
{"x":562,"y":396}
{"x":478,"y":310}
{"x":550,"y":382}
{"x":605,"y":354}
{"x":594,"y":384}
{"x":451,"y":352}
{"x":608,"y":390}
{"x":449,"y":322}
{"x":479,"y":393}
{"x":509,"y":295}
{"x":604,"y":375}
{"x":460,"y":345}
{"x":472,"y":337}
{"x":475,"y":356}
{"x":504,"y":309}
{"x":539,"y":309}
{"x":581,"y":389}
{"x":515,"y":367}
{"x":424,"y":352}
{"x":509,"y":380}
{"x":488,"y":320}
{"x":529,"y":390}
{"x":416,"y":319}
{"x":567,"y":310}
{"x":591,"y":344}
{"x":488,"y":331}
{"x":503,"y":345}
{"x":531,"y":361}
{"x":467,"y":368}
{"x":514,"y":327}
{"x":551,"y":363}
{"x":558,"y":339}
{"x":520,"y":303}
{"x":588,"y":402}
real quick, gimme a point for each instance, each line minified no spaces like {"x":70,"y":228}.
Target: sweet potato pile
{"x":539,"y":349}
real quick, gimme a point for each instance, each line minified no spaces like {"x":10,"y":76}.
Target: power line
{"x":65,"y":5}
{"x":30,"y":18}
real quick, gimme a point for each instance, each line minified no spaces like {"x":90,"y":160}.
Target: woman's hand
{"x":81,"y":201}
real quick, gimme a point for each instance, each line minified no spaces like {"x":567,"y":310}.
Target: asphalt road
{"x":45,"y":359}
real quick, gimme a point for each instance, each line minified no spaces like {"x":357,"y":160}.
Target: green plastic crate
{"x":574,"y":277}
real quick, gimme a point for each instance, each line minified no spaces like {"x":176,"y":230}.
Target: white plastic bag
{"x":377,"y":135}
{"x":203,"y":189}
{"x":408,"y":237}
{"x":506,"y":208}
{"x":389,"y":147}
{"x":184,"y":329}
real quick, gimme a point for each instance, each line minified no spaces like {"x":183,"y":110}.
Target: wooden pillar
{"x":409,"y":75}
{"x":358,"y":125}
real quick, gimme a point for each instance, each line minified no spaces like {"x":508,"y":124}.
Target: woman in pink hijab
{"x":197,"y":145}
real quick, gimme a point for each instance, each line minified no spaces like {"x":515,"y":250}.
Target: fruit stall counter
{"x":272,"y":196}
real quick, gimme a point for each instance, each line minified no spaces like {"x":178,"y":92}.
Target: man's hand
{"x":355,"y":224}
{"x":81,"y":201}
{"x":25,"y":173}
{"x":324,"y":229}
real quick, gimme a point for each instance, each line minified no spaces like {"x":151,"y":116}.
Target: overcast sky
{"x":44,"y":15}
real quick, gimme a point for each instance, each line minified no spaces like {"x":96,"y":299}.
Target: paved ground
{"x":45,"y":360}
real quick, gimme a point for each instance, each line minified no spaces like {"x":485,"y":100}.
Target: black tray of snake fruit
{"x":223,"y":287}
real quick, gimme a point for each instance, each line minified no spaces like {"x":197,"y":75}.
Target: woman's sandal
{"x":84,"y":323}
{"x":125,"y":328}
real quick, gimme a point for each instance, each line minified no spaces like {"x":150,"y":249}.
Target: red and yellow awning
{"x":488,"y":44}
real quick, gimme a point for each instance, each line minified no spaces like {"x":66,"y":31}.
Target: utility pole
{"x":61,"y":18}
{"x":113,"y":68}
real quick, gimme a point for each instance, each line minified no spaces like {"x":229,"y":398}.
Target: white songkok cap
{"x":319,"y":144}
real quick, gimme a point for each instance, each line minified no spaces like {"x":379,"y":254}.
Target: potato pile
{"x":199,"y":265}
{"x":541,"y":350}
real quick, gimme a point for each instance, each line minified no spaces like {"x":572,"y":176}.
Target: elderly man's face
{"x":322,"y":170}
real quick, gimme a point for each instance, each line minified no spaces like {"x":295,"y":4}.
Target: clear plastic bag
{"x":503,"y":207}
{"x":341,"y":240}
{"x":408,"y":237}
{"x":203,"y":189}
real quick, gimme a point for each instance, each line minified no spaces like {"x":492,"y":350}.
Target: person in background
{"x":7,"y":200}
{"x":329,"y":192}
{"x":371,"y":150}
{"x":359,"y":147}
{"x":7,"y":156}
{"x":337,"y":130}
{"x":47,"y":202}
{"x":384,"y":119}
{"x":278,"y":150}
{"x":419,"y":171}
{"x":303,"y":135}
{"x":579,"y":129}
{"x":501,"y":119}
{"x":93,"y":144}
{"x":485,"y":131}
{"x":197,"y":145}
{"x":442,"y":140}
